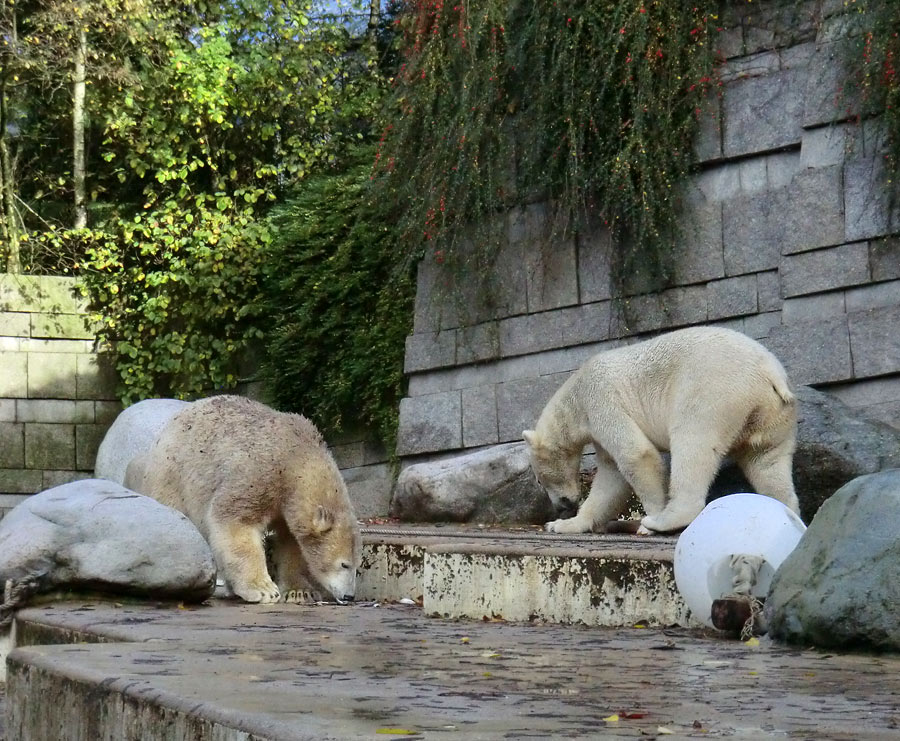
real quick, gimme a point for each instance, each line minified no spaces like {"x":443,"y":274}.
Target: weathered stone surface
{"x":814,"y":351}
{"x":50,"y":446}
{"x":133,"y":432}
{"x":551,"y":278}
{"x":427,"y":350}
{"x":479,"y":416}
{"x":763,"y":113}
{"x":520,"y":403}
{"x":839,"y":587}
{"x":595,"y":250}
{"x":698,"y":256}
{"x":885,"y":258}
{"x":52,"y":375}
{"x":490,"y":486}
{"x":60,"y":326}
{"x":810,"y":308}
{"x":96,"y":534}
{"x":40,"y":293}
{"x":868,"y":199}
{"x":54,"y":410}
{"x":732,"y":297}
{"x":752,"y":233}
{"x":477,"y":343}
{"x":96,"y":376}
{"x":551,"y":329}
{"x":827,"y":98}
{"x":875,"y":341}
{"x":430,"y":423}
{"x":13,"y":374}
{"x":12,"y":445}
{"x":836,"y":444}
{"x":824,"y":270}
{"x":768,"y":290}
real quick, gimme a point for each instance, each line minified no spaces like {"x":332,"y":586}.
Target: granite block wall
{"x":791,"y":236}
{"x":56,"y":393}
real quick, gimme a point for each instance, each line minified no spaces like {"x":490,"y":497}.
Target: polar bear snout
{"x":564,"y":506}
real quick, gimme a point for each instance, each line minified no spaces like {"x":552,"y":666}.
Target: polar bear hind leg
{"x":606,"y":500}
{"x":241,"y":558}
{"x":770,"y":473}
{"x":638,"y":460}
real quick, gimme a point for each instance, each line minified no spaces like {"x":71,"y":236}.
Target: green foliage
{"x":594,"y":104}
{"x":337,"y":311}
{"x":175,"y":296}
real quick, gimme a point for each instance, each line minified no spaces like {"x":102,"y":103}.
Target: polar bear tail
{"x":778,"y":379}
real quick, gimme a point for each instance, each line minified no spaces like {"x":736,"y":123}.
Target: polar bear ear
{"x":530,"y":437}
{"x":322,"y":521}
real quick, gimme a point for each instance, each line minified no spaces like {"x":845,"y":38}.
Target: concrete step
{"x":525,"y":575}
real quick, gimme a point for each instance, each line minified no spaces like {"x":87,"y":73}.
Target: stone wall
{"x":56,"y":394}
{"x":790,"y":238}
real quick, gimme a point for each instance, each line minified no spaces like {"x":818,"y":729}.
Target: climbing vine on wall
{"x":592,"y":104}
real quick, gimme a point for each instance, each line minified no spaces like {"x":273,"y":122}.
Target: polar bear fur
{"x":238,"y":470}
{"x":700,"y":393}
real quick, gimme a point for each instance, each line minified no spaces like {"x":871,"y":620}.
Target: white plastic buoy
{"x":739,"y":524}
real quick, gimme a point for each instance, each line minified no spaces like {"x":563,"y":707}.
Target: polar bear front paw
{"x":570,"y":525}
{"x":264,"y":593}
{"x":661,"y":523}
{"x":302,"y":596}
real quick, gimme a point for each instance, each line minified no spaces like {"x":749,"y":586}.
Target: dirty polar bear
{"x":701,"y":393}
{"x":238,"y":469}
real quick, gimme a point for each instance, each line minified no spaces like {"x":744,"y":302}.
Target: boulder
{"x":132,"y":433}
{"x":491,"y":486}
{"x":97,"y":535}
{"x":840,"y":586}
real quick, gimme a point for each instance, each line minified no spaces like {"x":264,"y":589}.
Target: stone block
{"x":95,"y":376}
{"x":40,"y":293}
{"x":428,"y":350}
{"x":708,"y":141}
{"x":638,"y":314}
{"x":552,"y":329}
{"x":105,"y":412}
{"x":813,"y":352}
{"x":7,"y":410}
{"x":873,"y":296}
{"x":35,"y":345}
{"x":87,"y":441}
{"x":370,"y":489}
{"x":20,"y":481}
{"x":824,"y":270}
{"x":49,"y":479}
{"x":683,"y":306}
{"x":731,"y":297}
{"x":763,"y":113}
{"x":52,"y":376}
{"x":551,"y":277}
{"x":12,"y":445}
{"x":715,"y":184}
{"x":781,"y":167}
{"x":768,"y":290}
{"x":430,"y":423}
{"x":520,"y":403}
{"x":55,"y":411}
{"x":758,"y":326}
{"x":875,"y":341}
{"x":479,"y":416}
{"x":61,"y":326}
{"x":808,"y":308}
{"x":869,"y":392}
{"x":753,"y":233}
{"x":753,"y":175}
{"x":867,"y":199}
{"x":698,"y":256}
{"x":15,"y":324}
{"x":823,"y":146}
{"x":814,"y":210}
{"x":595,"y":260}
{"x":432,"y":285}
{"x":477,"y":343}
{"x":884,"y":256}
{"x":13,"y":374}
{"x":826,"y":97}
{"x":50,"y":446}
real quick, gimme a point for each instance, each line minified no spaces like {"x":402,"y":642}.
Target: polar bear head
{"x":332,"y":548}
{"x":556,"y":471}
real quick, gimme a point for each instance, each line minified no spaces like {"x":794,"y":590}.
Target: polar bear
{"x":700,"y":393}
{"x":238,"y":470}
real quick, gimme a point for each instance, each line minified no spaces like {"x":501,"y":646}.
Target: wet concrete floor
{"x":333,"y":672}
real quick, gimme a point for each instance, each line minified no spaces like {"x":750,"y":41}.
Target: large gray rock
{"x":840,"y":586}
{"x":133,"y":432}
{"x":495,"y":485}
{"x":95,"y":534}
{"x":836,"y":444}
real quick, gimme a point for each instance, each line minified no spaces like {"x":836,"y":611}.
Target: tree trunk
{"x":9,"y":217}
{"x":78,"y":85}
{"x":374,"y":18}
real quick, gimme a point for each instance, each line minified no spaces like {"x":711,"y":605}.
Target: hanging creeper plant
{"x":594,"y":105}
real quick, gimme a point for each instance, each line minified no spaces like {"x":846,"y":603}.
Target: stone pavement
{"x":233,"y":671}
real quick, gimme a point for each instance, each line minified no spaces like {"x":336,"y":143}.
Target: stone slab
{"x":13,"y":374}
{"x":520,"y":403}
{"x":430,"y":423}
{"x":50,"y":446}
{"x":815,"y":351}
{"x":825,"y":270}
{"x":60,"y":326}
{"x":52,"y":376}
{"x":479,"y":416}
{"x":12,"y":445}
{"x":54,"y":410}
{"x":732,"y":297}
{"x":875,"y":341}
{"x":283,"y":672}
{"x":763,"y":113}
{"x":867,"y":199}
{"x":20,"y":481}
{"x":40,"y":293}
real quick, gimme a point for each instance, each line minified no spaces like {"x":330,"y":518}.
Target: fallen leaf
{"x":490,"y":655}
{"x":464,"y":639}
{"x":640,"y":625}
{"x":611,"y":718}
{"x":631,"y":716}
{"x":486,"y":674}
{"x":396,"y":732}
{"x":663,"y":731}
{"x":752,"y":642}
{"x":407,"y":601}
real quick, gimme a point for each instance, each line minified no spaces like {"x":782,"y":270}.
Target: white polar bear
{"x":700,"y":393}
